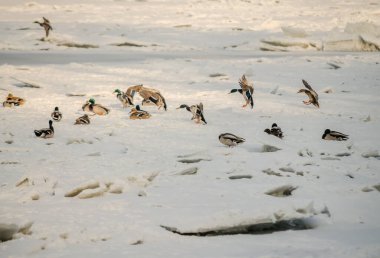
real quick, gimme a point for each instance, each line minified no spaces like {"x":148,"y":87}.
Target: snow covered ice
{"x":119,"y":187}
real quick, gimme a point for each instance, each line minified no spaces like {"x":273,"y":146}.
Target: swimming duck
{"x":124,"y":98}
{"x":275,"y":130}
{"x":83,"y":120}
{"x":230,"y":139}
{"x":13,"y":101}
{"x":45,"y":132}
{"x":46,"y":25}
{"x":137,"y":113}
{"x":334,"y":136}
{"x":197,"y":111}
{"x":98,"y":109}
{"x":313,"y":96}
{"x":246,"y":90}
{"x":149,"y":95}
{"x":56,"y":115}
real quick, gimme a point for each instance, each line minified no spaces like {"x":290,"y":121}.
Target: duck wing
{"x":307,"y":85}
{"x":338,"y":134}
{"x":243,"y":82}
{"x":46,"y":20}
{"x":233,"y":137}
{"x":200,"y":106}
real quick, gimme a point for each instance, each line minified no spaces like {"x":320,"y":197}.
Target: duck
{"x":46,"y":25}
{"x":230,"y":139}
{"x":197,"y":111}
{"x":150,"y":96}
{"x":45,"y":132}
{"x":246,"y":89}
{"x":11,"y":101}
{"x":83,"y":120}
{"x":137,"y":113}
{"x":275,"y":130}
{"x":97,"y":109}
{"x":334,"y":135}
{"x":124,"y":98}
{"x":56,"y":115}
{"x":313,"y":96}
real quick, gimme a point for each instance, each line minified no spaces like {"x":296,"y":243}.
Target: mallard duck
{"x":98,"y":109}
{"x":275,"y":130}
{"x":45,"y":132}
{"x":11,"y":101}
{"x":124,"y":98}
{"x":46,"y":25}
{"x":83,"y":120}
{"x":137,"y":113}
{"x":334,"y":135}
{"x":230,"y":139}
{"x":197,"y":111}
{"x":149,"y":95}
{"x":246,"y":90}
{"x":56,"y":115}
{"x":313,"y":96}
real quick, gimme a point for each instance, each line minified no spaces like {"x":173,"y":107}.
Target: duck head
{"x":233,"y":91}
{"x":274,"y":125}
{"x":91,"y":101}
{"x":56,"y":109}
{"x":117,"y":91}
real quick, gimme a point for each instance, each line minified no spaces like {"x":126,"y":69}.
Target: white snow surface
{"x":129,"y":170}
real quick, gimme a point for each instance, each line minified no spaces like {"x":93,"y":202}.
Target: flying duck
{"x":230,"y":139}
{"x":137,"y":113}
{"x":149,"y":95}
{"x":275,"y":130}
{"x":56,"y":115}
{"x":313,"y":96}
{"x":46,"y":25}
{"x":45,"y":132}
{"x":83,"y":120}
{"x":124,"y":98}
{"x":97,"y":109}
{"x":246,"y":90}
{"x":334,"y":136}
{"x":197,"y":111}
{"x":13,"y":101}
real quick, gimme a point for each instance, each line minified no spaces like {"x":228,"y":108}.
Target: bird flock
{"x":152,"y":96}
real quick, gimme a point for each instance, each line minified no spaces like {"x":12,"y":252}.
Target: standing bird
{"x":46,"y":25}
{"x":246,"y":90}
{"x":137,"y":113}
{"x":275,"y":130}
{"x":230,"y":139}
{"x":149,"y":95}
{"x":197,"y":111}
{"x":334,"y":136}
{"x":56,"y":115}
{"x":313,"y":96}
{"x":45,"y":132}
{"x":97,"y":109}
{"x":124,"y":98}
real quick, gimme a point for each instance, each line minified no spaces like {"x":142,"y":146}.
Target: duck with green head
{"x":124,"y":98}
{"x":97,"y":109}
